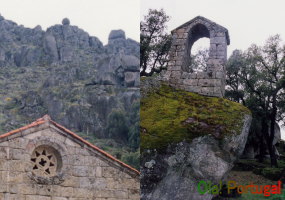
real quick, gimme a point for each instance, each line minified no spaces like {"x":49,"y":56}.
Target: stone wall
{"x":83,"y":173}
{"x":212,"y":81}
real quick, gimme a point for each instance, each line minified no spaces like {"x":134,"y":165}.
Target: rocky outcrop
{"x":65,"y":21}
{"x":117,"y":34}
{"x":68,"y":74}
{"x":62,"y":44}
{"x":187,"y":138}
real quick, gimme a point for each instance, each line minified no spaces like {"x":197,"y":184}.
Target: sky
{"x":248,"y":21}
{"x":97,"y":17}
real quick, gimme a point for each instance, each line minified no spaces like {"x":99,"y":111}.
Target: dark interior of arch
{"x":195,"y":33}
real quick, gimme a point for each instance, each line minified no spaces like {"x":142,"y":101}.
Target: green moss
{"x":169,"y":116}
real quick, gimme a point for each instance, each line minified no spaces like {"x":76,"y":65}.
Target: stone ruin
{"x":210,"y":82}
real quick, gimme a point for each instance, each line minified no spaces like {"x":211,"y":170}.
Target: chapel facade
{"x":46,"y":161}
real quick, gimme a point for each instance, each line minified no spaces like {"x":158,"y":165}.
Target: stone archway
{"x":195,"y":33}
{"x":211,"y":82}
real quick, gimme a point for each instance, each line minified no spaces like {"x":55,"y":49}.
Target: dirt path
{"x":247,"y":177}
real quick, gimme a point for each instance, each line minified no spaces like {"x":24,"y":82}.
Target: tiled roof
{"x":47,"y":118}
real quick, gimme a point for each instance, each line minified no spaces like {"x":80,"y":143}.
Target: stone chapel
{"x":210,"y":82}
{"x":46,"y":161}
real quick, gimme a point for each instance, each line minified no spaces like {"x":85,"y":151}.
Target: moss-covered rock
{"x":186,"y":138}
{"x":169,"y":116}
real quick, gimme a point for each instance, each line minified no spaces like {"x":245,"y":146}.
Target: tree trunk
{"x":269,"y":140}
{"x":272,"y":132}
{"x":273,"y":157}
{"x":262,"y":148}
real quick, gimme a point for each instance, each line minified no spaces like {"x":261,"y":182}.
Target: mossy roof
{"x":171,"y":116}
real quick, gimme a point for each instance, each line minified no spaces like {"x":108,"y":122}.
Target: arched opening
{"x":200,"y":55}
{"x":197,"y":49}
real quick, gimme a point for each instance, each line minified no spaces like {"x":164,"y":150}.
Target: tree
{"x":134,"y":127}
{"x":256,"y":78}
{"x":154,"y":43}
{"x":117,"y":126}
{"x":199,"y":61}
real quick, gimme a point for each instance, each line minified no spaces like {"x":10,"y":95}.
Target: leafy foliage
{"x":124,"y":128}
{"x":117,"y":127}
{"x":132,"y":158}
{"x":199,"y":61}
{"x":155,"y":42}
{"x":256,"y":78}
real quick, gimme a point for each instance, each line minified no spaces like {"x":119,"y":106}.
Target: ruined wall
{"x":81,"y":173}
{"x":210,"y":82}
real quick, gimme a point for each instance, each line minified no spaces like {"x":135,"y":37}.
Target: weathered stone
{"x":204,"y":159}
{"x":149,"y":164}
{"x":202,"y":75}
{"x":220,"y":75}
{"x":176,"y":74}
{"x":206,"y":82}
{"x":192,"y":82}
{"x":219,"y":40}
{"x":183,"y":39}
{"x":130,"y":78}
{"x":57,"y":167}
{"x":65,"y":21}
{"x":117,"y":34}
{"x":50,"y":47}
{"x":184,"y":75}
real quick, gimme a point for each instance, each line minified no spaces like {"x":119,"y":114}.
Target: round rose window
{"x":45,"y":161}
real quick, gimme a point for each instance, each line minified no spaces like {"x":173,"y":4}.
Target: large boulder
{"x":65,"y":21}
{"x":130,"y":63}
{"x":117,"y":34}
{"x":187,"y":138}
{"x":50,"y":48}
{"x":132,"y":79}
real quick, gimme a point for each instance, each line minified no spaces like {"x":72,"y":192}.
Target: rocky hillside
{"x":187,"y":138}
{"x":90,"y":88}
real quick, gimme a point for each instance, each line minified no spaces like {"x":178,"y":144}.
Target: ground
{"x":244,"y":177}
{"x":248,"y":171}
